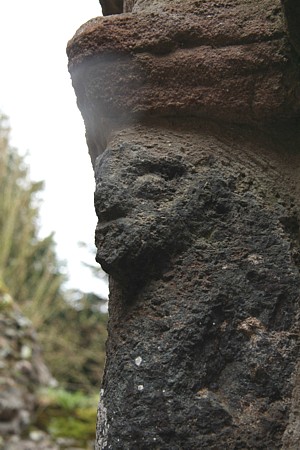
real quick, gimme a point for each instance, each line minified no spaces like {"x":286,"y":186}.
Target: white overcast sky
{"x":36,"y":94}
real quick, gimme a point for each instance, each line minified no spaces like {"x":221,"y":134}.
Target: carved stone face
{"x":166,"y":193}
{"x":142,"y":203}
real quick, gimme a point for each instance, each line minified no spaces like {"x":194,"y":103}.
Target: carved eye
{"x":166,"y":168}
{"x":151,"y":186}
{"x":155,"y":178}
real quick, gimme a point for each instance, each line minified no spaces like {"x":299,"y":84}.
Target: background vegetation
{"x":71,"y":325}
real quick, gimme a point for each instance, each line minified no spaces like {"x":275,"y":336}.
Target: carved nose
{"x":110,"y":202}
{"x":106,"y":213}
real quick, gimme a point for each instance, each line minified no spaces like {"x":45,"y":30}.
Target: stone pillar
{"x":192,"y":122}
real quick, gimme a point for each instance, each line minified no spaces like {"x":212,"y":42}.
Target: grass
{"x":67,"y":414}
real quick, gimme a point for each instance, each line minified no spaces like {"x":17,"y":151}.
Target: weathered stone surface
{"x":192,"y":119}
{"x":197,"y":236}
{"x":111,"y":7}
{"x":292,"y":17}
{"x":291,"y":439}
{"x":22,"y":372}
{"x":241,"y":67}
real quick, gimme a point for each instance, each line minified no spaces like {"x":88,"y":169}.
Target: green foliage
{"x":74,"y":344}
{"x":66,"y":414}
{"x":67,"y":400}
{"x":28,"y":264}
{"x":72,"y":427}
{"x":72,"y":332}
{"x":6,"y":301}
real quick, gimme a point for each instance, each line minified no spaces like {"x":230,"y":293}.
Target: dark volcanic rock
{"x":291,"y":437}
{"x":192,"y":118}
{"x":197,"y":236}
{"x":111,"y":7}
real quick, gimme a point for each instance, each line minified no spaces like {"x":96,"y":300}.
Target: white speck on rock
{"x":140,"y":387}
{"x":255,"y":259}
{"x":138,"y":361}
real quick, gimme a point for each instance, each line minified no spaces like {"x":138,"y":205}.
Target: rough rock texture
{"x":111,"y":7}
{"x":241,"y":66}
{"x":192,"y":121}
{"x":22,"y":372}
{"x":292,"y":434}
{"x":205,"y":288}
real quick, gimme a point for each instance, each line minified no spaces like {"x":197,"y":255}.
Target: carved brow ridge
{"x":168,"y":168}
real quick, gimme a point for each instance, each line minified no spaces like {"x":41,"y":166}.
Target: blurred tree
{"x":75,"y":345}
{"x":70,"y":324}
{"x":95,"y":268}
{"x":28,"y":263}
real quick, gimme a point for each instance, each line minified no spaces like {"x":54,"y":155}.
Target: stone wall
{"x":22,"y":373}
{"x":192,"y":122}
